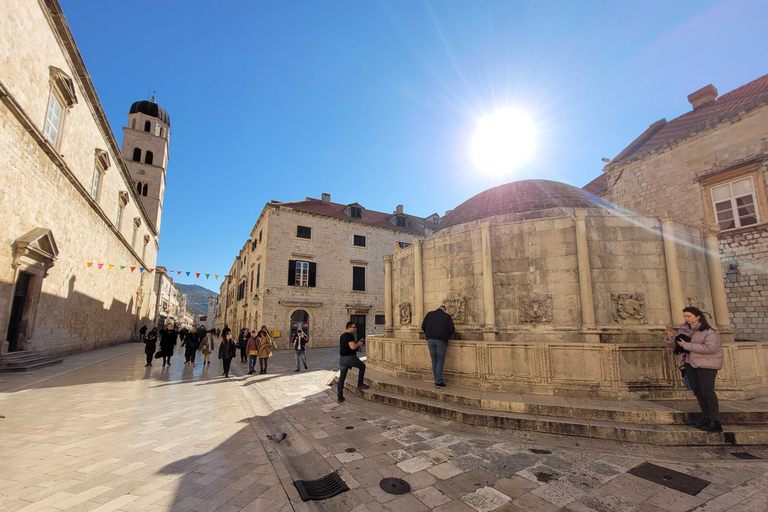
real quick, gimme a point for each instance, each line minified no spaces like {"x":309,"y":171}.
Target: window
{"x":251,"y":280}
{"x":258,"y":275}
{"x":136,"y":155}
{"x":96,"y":187}
{"x":120,"y":211}
{"x":359,"y":241}
{"x":162,"y":131}
{"x":356,"y":212}
{"x":259,"y":236}
{"x":379,"y":320}
{"x":435,"y":220}
{"x":303,"y":232}
{"x":735,"y":204}
{"x":53,"y":119}
{"x":358,"y":279}
{"x":403,"y":245}
{"x":301,"y":273}
{"x":149,"y":157}
{"x":144,"y":190}
{"x":147,"y":126}
{"x":401,"y":221}
{"x":241,"y":291}
{"x":138,"y":187}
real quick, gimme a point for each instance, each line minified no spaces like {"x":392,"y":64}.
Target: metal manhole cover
{"x":395,"y":486}
{"x":327,"y":487}
{"x":350,"y":450}
{"x":669,"y":478}
{"x":744,"y":455}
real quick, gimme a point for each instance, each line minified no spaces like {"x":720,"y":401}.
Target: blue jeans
{"x":301,"y":354}
{"x":345,"y":363}
{"x":437,"y":354}
{"x":251,"y":363}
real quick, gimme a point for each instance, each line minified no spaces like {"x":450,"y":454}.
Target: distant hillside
{"x":197,"y":297}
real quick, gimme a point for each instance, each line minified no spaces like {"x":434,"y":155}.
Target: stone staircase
{"x":25,"y":360}
{"x":664,"y":422}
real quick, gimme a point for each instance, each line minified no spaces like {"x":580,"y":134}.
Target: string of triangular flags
{"x":178,"y":272}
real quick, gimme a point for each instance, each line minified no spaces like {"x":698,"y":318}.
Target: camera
{"x":678,"y":349}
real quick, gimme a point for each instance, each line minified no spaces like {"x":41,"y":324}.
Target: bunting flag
{"x":133,"y":268}
{"x":150,"y":270}
{"x":188,"y":273}
{"x":178,"y":272}
{"x":111,"y":267}
{"x":216,"y":276}
{"x":100,"y":265}
{"x":122,"y":267}
{"x":197,"y":274}
{"x":207,"y":276}
{"x":89,"y":264}
{"x":141,"y":269}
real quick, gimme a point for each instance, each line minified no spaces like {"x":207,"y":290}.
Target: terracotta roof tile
{"x":336,"y":211}
{"x":597,"y":186}
{"x":660,"y":133}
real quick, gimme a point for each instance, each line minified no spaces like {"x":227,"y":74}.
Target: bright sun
{"x":503,"y":141}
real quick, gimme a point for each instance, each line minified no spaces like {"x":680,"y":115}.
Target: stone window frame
{"x":304,"y":232}
{"x":62,"y":91}
{"x":749,"y":170}
{"x":101,"y":164}
{"x":122,"y":201}
{"x":358,"y":282}
{"x":359,"y":238}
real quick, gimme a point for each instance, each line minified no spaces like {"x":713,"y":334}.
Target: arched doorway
{"x":299,"y":320}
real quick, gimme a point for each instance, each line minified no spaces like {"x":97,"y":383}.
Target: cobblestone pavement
{"x":101,"y":432}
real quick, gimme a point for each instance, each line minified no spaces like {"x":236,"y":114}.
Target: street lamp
{"x":733,"y":274}
{"x":256,"y":300}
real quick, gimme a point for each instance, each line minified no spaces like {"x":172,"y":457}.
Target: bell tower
{"x":145,"y":151}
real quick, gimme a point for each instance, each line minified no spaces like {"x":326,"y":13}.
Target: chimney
{"x":399,"y":209}
{"x":326,"y":198}
{"x":703,"y":96}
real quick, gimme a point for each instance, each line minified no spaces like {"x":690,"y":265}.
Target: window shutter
{"x":291,"y":272}
{"x":312,"y":273}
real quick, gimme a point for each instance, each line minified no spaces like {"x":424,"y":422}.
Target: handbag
{"x":159,"y":354}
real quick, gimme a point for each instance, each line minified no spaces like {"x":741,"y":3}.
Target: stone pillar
{"x":675,"y":285}
{"x":585,"y":279}
{"x":388,"y":319}
{"x":716,"y":278}
{"x":418,"y":285}
{"x":489,"y":302}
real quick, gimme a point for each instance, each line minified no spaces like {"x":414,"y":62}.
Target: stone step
{"x":662,"y":435}
{"x":667,"y":412}
{"x":26,"y":361}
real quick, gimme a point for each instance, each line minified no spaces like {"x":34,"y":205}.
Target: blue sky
{"x":377,"y":101}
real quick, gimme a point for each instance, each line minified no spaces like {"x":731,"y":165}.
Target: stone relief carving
{"x":405,"y":313}
{"x":629,"y":308}
{"x":457,"y":308}
{"x":696,"y":301}
{"x":536,"y":308}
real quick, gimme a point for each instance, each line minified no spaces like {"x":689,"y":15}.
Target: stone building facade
{"x":554,"y":291}
{"x":707,"y":168}
{"x":68,"y":198}
{"x":315,"y":265}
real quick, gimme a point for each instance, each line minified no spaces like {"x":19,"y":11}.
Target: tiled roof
{"x":520,"y":197}
{"x":597,"y":186}
{"x":336,"y":211}
{"x":661,"y":132}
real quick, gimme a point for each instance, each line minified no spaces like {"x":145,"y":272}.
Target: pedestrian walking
{"x":265,"y":351}
{"x":299,"y":342}
{"x":242,"y":342}
{"x":265,"y":332}
{"x":206,"y":347}
{"x":227,"y":351}
{"x":703,"y":353}
{"x":438,"y":327}
{"x":142,"y":332}
{"x":348,"y":348}
{"x":190,"y":344}
{"x":252,"y":348}
{"x":150,"y":345}
{"x":167,"y":342}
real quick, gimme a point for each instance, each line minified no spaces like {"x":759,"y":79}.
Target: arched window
{"x":133,"y":124}
{"x":138,"y":187}
{"x":147,"y":126}
{"x":148,"y":158}
{"x":145,"y":190}
{"x":136,"y":155}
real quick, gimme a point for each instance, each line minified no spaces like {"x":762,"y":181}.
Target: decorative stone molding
{"x":696,"y":302}
{"x":405,"y":313}
{"x":457,"y":308}
{"x":536,"y":308}
{"x":629,"y":308}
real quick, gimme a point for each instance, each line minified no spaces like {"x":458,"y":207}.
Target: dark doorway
{"x":17,"y":311}
{"x":359,"y":321}
{"x":299,"y":320}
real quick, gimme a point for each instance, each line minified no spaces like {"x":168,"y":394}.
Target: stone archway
{"x":299,"y":320}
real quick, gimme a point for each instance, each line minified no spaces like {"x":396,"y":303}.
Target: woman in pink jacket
{"x":703,"y":358}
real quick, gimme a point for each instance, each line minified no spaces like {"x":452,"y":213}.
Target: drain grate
{"x":744,"y":455}
{"x":669,"y":478}
{"x":322,"y":489}
{"x":395,"y":486}
{"x":539,"y":451}
{"x":350,"y":450}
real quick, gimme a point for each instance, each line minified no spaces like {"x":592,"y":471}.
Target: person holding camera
{"x":703,"y":356}
{"x":300,"y":341}
{"x":348,"y":348}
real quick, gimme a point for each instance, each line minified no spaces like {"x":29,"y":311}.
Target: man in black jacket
{"x":437,"y":327}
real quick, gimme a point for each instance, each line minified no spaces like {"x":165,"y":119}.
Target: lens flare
{"x":503,"y":141}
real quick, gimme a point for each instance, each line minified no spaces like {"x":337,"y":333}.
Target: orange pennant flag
{"x":216,"y":276}
{"x":178,"y":272}
{"x":89,"y":264}
{"x":133,"y":268}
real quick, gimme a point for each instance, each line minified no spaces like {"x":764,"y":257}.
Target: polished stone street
{"x":101,"y":432}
